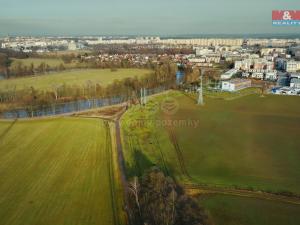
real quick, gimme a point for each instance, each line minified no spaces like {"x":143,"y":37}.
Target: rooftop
{"x":238,"y":81}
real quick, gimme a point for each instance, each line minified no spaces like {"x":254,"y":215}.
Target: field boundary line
{"x":161,"y":155}
{"x":243,"y":193}
{"x":178,"y":151}
{"x":111,"y":173}
{"x":121,"y":162}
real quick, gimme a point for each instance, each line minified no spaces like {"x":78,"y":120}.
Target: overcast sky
{"x":141,"y":17}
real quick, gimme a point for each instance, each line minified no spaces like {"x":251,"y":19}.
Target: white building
{"x":203,"y":51}
{"x":204,"y":42}
{"x":287,"y":91}
{"x":228,"y":74}
{"x":295,"y":75}
{"x":95,"y":41}
{"x":292,"y":66}
{"x":271,"y":75}
{"x":72,"y":46}
{"x":295,"y":83}
{"x":271,"y":51}
{"x":257,"y":75}
{"x":235,"y":84}
{"x":197,"y":60}
{"x":245,"y":74}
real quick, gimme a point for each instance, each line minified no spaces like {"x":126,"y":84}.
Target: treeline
{"x":69,"y":62}
{"x":5,"y":63}
{"x":192,"y":75}
{"x":162,"y":75}
{"x":155,"y":49}
{"x":21,"y":70}
{"x":155,"y":199}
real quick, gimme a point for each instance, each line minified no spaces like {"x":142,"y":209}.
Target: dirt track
{"x":195,"y":189}
{"x":111,"y":173}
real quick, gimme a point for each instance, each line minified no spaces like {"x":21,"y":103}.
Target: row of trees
{"x":140,"y":49}
{"x":192,"y":75}
{"x":5,"y":63}
{"x":157,"y":200}
{"x":163,"y":74}
{"x":74,"y":61}
{"x":21,"y":70}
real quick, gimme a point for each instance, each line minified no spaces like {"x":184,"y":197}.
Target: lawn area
{"x":231,"y":95}
{"x":248,"y":142}
{"x":57,"y":171}
{"x":234,"y":210}
{"x":75,"y":77}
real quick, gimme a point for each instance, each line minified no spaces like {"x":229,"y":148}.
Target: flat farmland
{"x":74,"y":77}
{"x":235,"y":210}
{"x":57,"y":171}
{"x":249,"y":142}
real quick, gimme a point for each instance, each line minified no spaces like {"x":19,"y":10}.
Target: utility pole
{"x":142,"y":99}
{"x":200,"y":90}
{"x":143,"y":96}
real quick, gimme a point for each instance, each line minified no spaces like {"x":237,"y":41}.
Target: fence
{"x":70,"y":107}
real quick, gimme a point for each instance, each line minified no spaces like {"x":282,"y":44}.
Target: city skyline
{"x":135,"y":17}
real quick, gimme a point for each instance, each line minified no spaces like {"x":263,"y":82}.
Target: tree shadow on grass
{"x":140,"y":165}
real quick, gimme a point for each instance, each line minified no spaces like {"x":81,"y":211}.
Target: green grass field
{"x":248,"y":142}
{"x":78,"y":77}
{"x":233,"y":210}
{"x":57,"y":171}
{"x":52,"y":62}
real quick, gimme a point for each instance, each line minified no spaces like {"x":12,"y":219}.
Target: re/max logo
{"x":286,"y":17}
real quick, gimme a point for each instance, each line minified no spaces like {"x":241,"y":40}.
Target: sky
{"x":142,"y":17}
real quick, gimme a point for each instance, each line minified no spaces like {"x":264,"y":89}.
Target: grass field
{"x":78,"y":77}
{"x":58,"y":171}
{"x":231,"y":95}
{"x":52,"y":62}
{"x":233,"y":210}
{"x":248,"y":142}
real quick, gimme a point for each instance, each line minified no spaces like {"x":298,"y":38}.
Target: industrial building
{"x":235,"y":84}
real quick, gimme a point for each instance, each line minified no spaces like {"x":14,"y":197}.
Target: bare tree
{"x":134,"y":187}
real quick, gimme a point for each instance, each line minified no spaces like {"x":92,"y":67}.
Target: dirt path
{"x":194,"y":189}
{"x":121,"y":162}
{"x":110,"y":169}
